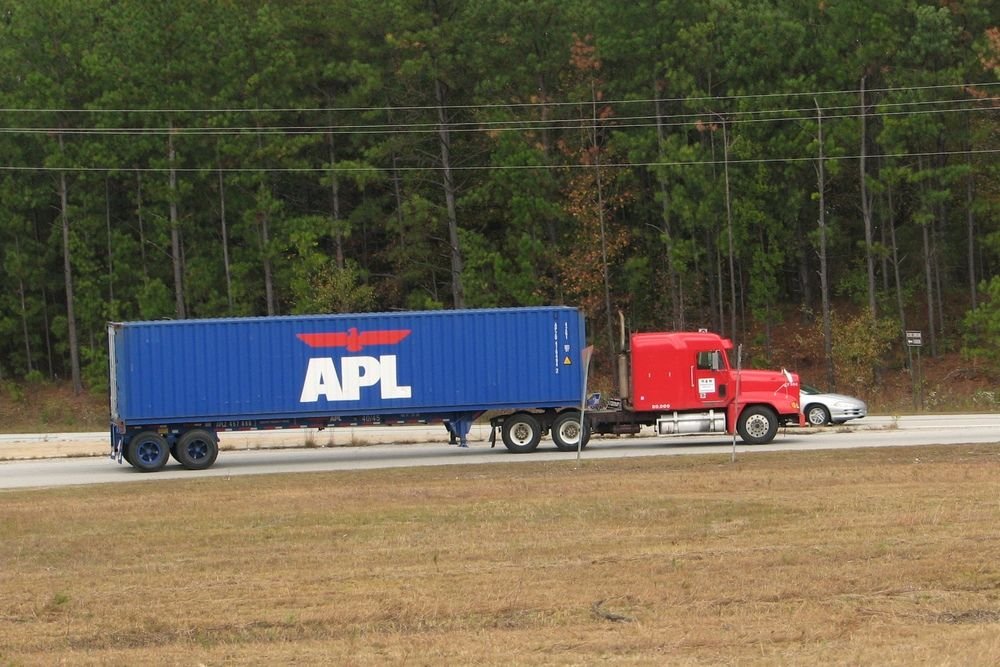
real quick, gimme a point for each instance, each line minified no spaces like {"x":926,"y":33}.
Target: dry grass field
{"x":888,"y":557}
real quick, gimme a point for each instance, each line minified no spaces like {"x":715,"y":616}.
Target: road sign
{"x":914,"y":338}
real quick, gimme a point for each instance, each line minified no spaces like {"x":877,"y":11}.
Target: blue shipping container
{"x":427,"y":363}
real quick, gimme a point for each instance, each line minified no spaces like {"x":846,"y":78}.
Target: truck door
{"x":709,"y":378}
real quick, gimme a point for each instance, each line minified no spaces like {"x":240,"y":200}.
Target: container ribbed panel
{"x":256,"y":368}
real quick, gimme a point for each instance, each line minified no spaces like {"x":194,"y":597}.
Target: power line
{"x":472,"y":168}
{"x":670,"y":120}
{"x":505,"y":105}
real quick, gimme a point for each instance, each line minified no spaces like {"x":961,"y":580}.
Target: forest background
{"x":736,"y":165}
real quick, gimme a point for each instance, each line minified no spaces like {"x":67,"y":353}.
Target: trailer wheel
{"x":758,"y":425}
{"x":521,"y":433}
{"x":566,"y":431}
{"x":148,"y":451}
{"x":197,"y":449}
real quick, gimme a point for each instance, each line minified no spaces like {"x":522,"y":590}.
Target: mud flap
{"x":117,"y":445}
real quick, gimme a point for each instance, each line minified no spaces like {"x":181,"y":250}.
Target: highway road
{"x":251,"y":454}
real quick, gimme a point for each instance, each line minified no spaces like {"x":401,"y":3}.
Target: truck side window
{"x":708,"y":361}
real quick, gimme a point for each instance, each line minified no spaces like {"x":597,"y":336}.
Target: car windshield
{"x":809,"y":389}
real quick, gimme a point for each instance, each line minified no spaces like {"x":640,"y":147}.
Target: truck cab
{"x":685,"y":382}
{"x":674,"y":371}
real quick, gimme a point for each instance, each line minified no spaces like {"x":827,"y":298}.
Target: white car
{"x":821,"y":408}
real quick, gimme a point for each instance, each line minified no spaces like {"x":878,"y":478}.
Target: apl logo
{"x":324,"y":380}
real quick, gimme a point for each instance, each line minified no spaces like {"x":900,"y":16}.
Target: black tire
{"x":148,"y":451}
{"x":521,"y":433}
{"x":566,"y":431}
{"x":758,"y":425}
{"x":197,"y":449}
{"x":817,"y":415}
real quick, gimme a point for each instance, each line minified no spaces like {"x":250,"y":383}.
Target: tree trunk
{"x":824,"y":287}
{"x":142,"y":233}
{"x":550,"y":228}
{"x":939,"y":292}
{"x":866,"y":208}
{"x":397,"y":193}
{"x":74,"y":348}
{"x":713,"y":258}
{"x":263,"y":218}
{"x":805,"y":279}
{"x":714,"y":289}
{"x":895,"y":264}
{"x":335,"y":223}
{"x":768,"y":338}
{"x":546,"y":113}
{"x":929,"y":285}
{"x":111,"y":261}
{"x":24,"y":304}
{"x":604,"y":245}
{"x":225,"y":241}
{"x":729,"y":230}
{"x":928,"y":263}
{"x":970,"y":224}
{"x":444,"y":136}
{"x":676,"y":305}
{"x":175,"y":232}
{"x":46,"y":321}
{"x":884,"y":257}
{"x":264,"y":229}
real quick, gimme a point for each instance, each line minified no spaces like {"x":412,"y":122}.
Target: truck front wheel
{"x":197,"y":449}
{"x":521,"y":433}
{"x":566,"y":432}
{"x":148,"y":451}
{"x":758,"y":425}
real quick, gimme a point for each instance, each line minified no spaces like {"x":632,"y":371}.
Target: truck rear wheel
{"x":758,"y":425}
{"x":521,"y":433}
{"x":197,"y":449}
{"x":148,"y":451}
{"x":566,"y":432}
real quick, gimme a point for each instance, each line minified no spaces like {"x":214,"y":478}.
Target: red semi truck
{"x":677,"y":383}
